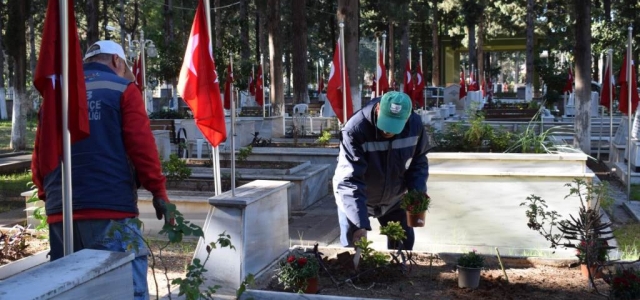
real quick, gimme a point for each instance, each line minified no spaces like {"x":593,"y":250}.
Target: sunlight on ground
{"x":5,"y":135}
{"x":628,"y":237}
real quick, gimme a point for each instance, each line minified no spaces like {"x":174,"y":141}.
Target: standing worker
{"x":383,"y":154}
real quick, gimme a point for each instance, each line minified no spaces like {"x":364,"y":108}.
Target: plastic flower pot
{"x":468,"y":277}
{"x":312,"y":285}
{"x":416,"y":220}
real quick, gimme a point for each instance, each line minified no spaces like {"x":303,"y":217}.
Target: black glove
{"x":161,"y":208}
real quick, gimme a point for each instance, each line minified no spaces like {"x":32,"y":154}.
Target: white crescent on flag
{"x":419,"y":76}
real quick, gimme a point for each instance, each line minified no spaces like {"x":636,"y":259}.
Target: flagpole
{"x":609,"y":62}
{"x":264,"y":110}
{"x":423,"y":89}
{"x":317,"y":77}
{"x":377,"y":67}
{"x":628,"y":62}
{"x":233,"y":131}
{"x":67,"y":195}
{"x":215,"y":150}
{"x":343,"y":71}
{"x":384,"y":53}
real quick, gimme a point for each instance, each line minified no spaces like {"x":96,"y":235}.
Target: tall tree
{"x":93,"y":14}
{"x":245,"y":50}
{"x":18,"y":12}
{"x":435,"y":73}
{"x":582,"y":52}
{"x":299,"y":51}
{"x":3,"y":99}
{"x":218,"y":24}
{"x":529,"y":74}
{"x":348,"y":12}
{"x":275,"y":56}
{"x":471,"y":11}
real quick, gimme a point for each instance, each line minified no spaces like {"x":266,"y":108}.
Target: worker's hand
{"x":160,"y":206}
{"x":359,"y":234}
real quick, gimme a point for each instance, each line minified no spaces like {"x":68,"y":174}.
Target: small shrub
{"x":296,"y":268}
{"x":244,"y":153}
{"x":415,"y":202}
{"x":471,"y":260}
{"x":324,"y":138}
{"x":175,"y":168}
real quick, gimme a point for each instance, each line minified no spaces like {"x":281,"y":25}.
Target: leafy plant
{"x":296,"y":268}
{"x":599,"y":252}
{"x":370,"y":257}
{"x":13,"y":243}
{"x":471,"y":260}
{"x":244,"y":153}
{"x":324,"y":138}
{"x":175,"y":168}
{"x":39,"y":212}
{"x":625,"y":284}
{"x":393,"y":231}
{"x":415,"y":202}
{"x":169,"y":114}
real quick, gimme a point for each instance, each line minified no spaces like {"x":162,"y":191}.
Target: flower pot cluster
{"x":416,"y":204}
{"x":298,"y":272}
{"x":469,"y":267}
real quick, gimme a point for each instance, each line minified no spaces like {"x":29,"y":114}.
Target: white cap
{"x":106,"y":47}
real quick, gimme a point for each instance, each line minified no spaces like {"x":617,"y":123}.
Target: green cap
{"x":395,"y":108}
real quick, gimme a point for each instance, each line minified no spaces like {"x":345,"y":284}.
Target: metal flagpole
{"x":343,"y":71}
{"x":601,"y":115}
{"x":378,"y":68}
{"x":609,"y":63}
{"x":215,"y":150}
{"x":629,"y":115}
{"x":264,"y":109}
{"x":233,"y":133}
{"x":67,"y":195}
{"x":423,"y":90}
{"x":317,"y":77}
{"x":384,"y":53}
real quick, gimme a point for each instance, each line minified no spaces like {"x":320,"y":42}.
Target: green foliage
{"x":175,"y":168}
{"x":296,"y":268}
{"x":477,"y":132}
{"x":244,"y":153}
{"x":628,"y":238}
{"x":393,"y":231}
{"x":625,"y":284}
{"x":471,"y":260}
{"x":415,"y":202}
{"x":370,"y":258}
{"x":553,"y":78}
{"x":169,"y":114}
{"x":38,"y":213}
{"x":324,"y":138}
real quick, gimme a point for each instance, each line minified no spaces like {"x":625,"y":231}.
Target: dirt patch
{"x":15,"y":245}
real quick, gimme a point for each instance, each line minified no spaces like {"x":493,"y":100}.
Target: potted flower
{"x":469,"y":266}
{"x":415,"y":203}
{"x":299,"y":272}
{"x":598,"y":254}
{"x":625,"y":284}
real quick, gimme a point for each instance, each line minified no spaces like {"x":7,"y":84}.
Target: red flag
{"x":335,"y":88}
{"x":484,"y":88}
{"x":381,"y":75}
{"x":568,"y":87}
{"x":320,"y":86}
{"x":198,"y":83}
{"x":259,"y":87}
{"x":48,"y":143}
{"x":624,"y":86}
{"x":408,"y":84}
{"x":373,"y":88}
{"x":418,"y":95}
{"x":252,"y":84}
{"x":473,"y":84}
{"x":227,"y":88}
{"x":463,"y":86}
{"x":607,"y":87}
{"x":137,"y":71}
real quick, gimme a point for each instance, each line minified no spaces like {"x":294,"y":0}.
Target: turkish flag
{"x":47,"y":151}
{"x":198,"y":83}
{"x":252,"y":85}
{"x":484,"y":88}
{"x":473,"y":84}
{"x":624,"y":89}
{"x":408,"y":84}
{"x":137,"y":71}
{"x":228,"y":93}
{"x":463,"y":86}
{"x":320,"y":85}
{"x":607,"y":88}
{"x":335,"y":89}
{"x":373,"y":88}
{"x":381,"y":75}
{"x":418,"y":95}
{"x":259,"y":87}
{"x":568,"y":87}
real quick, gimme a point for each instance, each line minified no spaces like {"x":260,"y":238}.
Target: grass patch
{"x":628,"y":237}
{"x":12,"y":185}
{"x":635,"y":192}
{"x":5,"y":134}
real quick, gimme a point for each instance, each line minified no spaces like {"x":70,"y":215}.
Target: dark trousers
{"x":399,"y":215}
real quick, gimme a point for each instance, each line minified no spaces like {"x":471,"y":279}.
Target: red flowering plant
{"x":415,"y":202}
{"x":625,"y":284}
{"x":596,"y":248}
{"x":295,"y":269}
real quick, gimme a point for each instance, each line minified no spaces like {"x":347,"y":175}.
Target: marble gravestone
{"x":635,"y":142}
{"x":452,"y":95}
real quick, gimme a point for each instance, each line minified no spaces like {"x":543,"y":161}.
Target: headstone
{"x":621,"y":134}
{"x":452,"y":95}
{"x":595,"y":104}
{"x":569,"y":105}
{"x":520,"y":92}
{"x":635,"y":128}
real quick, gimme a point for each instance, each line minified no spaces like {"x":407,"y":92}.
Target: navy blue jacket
{"x":373,"y":172}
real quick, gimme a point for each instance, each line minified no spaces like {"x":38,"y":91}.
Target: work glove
{"x":160,"y":206}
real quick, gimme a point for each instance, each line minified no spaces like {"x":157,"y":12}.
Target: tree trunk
{"x":32,"y":43}
{"x":263,"y":37}
{"x":20,"y":100}
{"x":245,"y":51}
{"x":391,"y":57}
{"x":3,"y":99}
{"x":168,"y":22}
{"x":122,"y":25}
{"x":105,"y":19}
{"x":275,"y":57}
{"x":218,"y":24}
{"x":480,"y":52}
{"x":93,"y":31}
{"x":300,"y":94}
{"x":529,"y":74}
{"x":582,"y":53}
{"x":435,"y":73}
{"x":473,"y":61}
